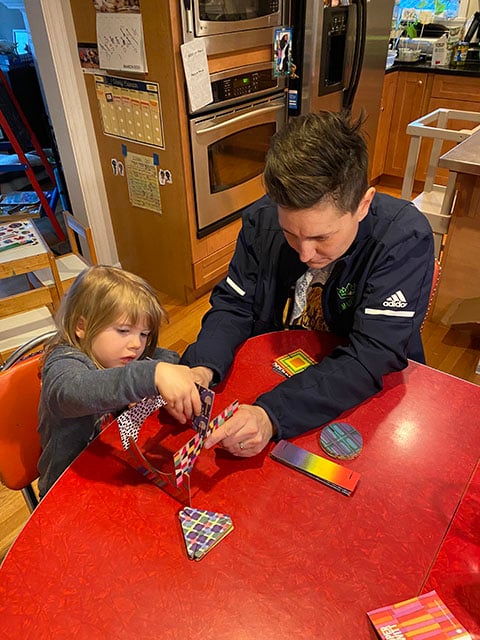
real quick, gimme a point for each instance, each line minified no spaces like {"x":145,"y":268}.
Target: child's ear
{"x":80,"y":329}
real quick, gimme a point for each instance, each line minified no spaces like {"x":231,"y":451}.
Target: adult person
{"x":320,"y":234}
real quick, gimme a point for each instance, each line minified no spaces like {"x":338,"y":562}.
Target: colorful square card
{"x":292,"y":363}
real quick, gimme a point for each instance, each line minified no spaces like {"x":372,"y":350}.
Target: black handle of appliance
{"x":474,"y":25}
{"x":358,"y":54}
{"x":187,"y":5}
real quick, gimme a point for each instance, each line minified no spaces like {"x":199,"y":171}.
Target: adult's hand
{"x":245,"y":434}
{"x":202,"y":376}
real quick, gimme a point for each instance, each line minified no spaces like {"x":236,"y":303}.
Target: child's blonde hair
{"x":100,"y":296}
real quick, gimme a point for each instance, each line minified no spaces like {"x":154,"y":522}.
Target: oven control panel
{"x":246,"y":84}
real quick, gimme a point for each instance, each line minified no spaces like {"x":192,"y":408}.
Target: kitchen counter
{"x":471,"y":69}
{"x":465,"y":157}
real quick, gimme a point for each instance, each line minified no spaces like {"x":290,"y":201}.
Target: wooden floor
{"x":450,"y":350}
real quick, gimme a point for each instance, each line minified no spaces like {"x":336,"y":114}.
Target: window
{"x":446,"y":9}
{"x":20,"y":37}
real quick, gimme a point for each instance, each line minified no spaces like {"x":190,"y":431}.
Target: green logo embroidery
{"x":346,"y":294}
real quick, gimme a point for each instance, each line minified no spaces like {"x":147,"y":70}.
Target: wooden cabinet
{"x":415,"y":94}
{"x":411,"y":99}
{"x":452,"y":87}
{"x":453,"y":92}
{"x":384,"y":122}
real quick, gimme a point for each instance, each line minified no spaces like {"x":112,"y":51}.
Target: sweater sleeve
{"x":72,"y":386}
{"x":166,"y":355}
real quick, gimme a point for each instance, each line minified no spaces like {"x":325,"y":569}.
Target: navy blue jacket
{"x":376,"y":297}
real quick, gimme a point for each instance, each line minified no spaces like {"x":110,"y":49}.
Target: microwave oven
{"x":232,"y":25}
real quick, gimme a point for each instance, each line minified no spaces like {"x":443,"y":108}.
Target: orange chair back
{"x":19,"y":440}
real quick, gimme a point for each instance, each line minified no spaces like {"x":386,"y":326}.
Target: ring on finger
{"x":241,"y":445}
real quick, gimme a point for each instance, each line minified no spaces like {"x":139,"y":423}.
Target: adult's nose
{"x":306,"y":251}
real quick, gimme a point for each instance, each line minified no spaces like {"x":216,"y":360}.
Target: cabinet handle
{"x":420,"y":82}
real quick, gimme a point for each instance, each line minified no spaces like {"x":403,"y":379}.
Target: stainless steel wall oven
{"x":229,"y":145}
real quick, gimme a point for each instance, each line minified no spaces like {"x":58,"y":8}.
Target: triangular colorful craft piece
{"x":202,"y":530}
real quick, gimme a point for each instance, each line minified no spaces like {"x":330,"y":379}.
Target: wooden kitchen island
{"x":459,"y":290}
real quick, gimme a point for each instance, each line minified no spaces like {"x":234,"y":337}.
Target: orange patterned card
{"x":419,"y":618}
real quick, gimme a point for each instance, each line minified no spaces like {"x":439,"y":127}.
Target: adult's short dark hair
{"x":316,"y":158}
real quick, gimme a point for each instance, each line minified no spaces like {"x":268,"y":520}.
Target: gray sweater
{"x":76,"y":395}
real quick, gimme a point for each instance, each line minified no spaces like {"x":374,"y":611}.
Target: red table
{"x":103,"y":557}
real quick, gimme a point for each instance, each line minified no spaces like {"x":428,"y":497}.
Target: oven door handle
{"x":239,"y":118}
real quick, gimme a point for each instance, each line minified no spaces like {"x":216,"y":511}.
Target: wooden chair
{"x":26,"y":313}
{"x":19,"y":439}
{"x":70,"y":264}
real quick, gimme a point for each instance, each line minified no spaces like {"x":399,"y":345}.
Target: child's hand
{"x":176,"y":385}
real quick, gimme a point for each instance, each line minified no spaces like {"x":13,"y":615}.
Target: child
{"x":99,"y":362}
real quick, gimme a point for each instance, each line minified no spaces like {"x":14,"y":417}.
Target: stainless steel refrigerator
{"x":340,"y":53}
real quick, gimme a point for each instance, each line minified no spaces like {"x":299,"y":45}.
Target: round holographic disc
{"x":340,"y":440}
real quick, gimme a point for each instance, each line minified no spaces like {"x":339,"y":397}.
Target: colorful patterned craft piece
{"x":222,"y":417}
{"x":292,"y":363}
{"x":202,"y":530}
{"x":340,"y":440}
{"x":419,"y":618}
{"x":185,"y":458}
{"x":200,"y":422}
{"x":162,"y":479}
{"x":130,"y":421}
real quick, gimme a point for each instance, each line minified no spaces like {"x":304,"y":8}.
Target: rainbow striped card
{"x":326,"y":471}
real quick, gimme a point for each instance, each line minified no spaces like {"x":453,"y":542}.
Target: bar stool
{"x":436,"y":200}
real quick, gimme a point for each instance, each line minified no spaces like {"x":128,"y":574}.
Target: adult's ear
{"x":80,"y":328}
{"x":365,"y":202}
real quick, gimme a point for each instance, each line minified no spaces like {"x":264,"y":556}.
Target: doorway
{"x":53,"y":38}
{"x":21,"y":82}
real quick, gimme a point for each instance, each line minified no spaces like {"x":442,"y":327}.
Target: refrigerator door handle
{"x":358,"y":53}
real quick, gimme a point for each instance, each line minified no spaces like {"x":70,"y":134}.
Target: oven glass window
{"x":232,"y":10}
{"x":239,"y":157}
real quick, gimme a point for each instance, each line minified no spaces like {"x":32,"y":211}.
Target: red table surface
{"x":456,"y":572}
{"x":103,"y":555}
